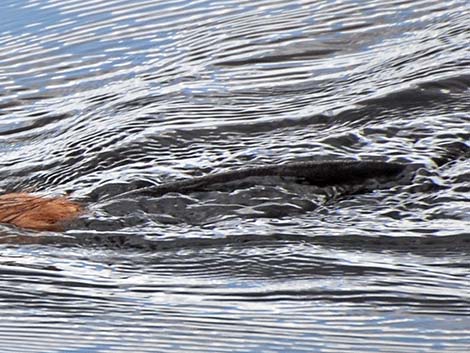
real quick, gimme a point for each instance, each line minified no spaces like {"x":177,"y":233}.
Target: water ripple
{"x":99,"y":98}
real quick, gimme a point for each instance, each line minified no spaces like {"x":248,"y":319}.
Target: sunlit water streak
{"x":97,"y":98}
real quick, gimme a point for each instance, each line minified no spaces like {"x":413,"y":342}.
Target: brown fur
{"x":37,"y":212}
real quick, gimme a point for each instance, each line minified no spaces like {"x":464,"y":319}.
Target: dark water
{"x":100,"y":97}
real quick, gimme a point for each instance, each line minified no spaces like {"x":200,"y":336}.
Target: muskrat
{"x":51,"y":213}
{"x":37,"y":212}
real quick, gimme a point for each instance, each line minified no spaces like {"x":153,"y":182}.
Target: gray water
{"x":98,"y":98}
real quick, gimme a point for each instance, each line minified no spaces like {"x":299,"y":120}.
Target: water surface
{"x":97,"y":98}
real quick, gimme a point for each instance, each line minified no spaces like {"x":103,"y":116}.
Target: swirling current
{"x":99,"y":98}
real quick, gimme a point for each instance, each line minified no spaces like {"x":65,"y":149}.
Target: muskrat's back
{"x":37,"y":212}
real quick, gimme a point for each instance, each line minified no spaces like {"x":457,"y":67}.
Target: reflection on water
{"x":98,"y":98}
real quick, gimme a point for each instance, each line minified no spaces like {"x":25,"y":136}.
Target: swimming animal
{"x":44,"y":213}
{"x":36,"y":212}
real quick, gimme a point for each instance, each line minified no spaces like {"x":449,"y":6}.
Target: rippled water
{"x":97,"y":98}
